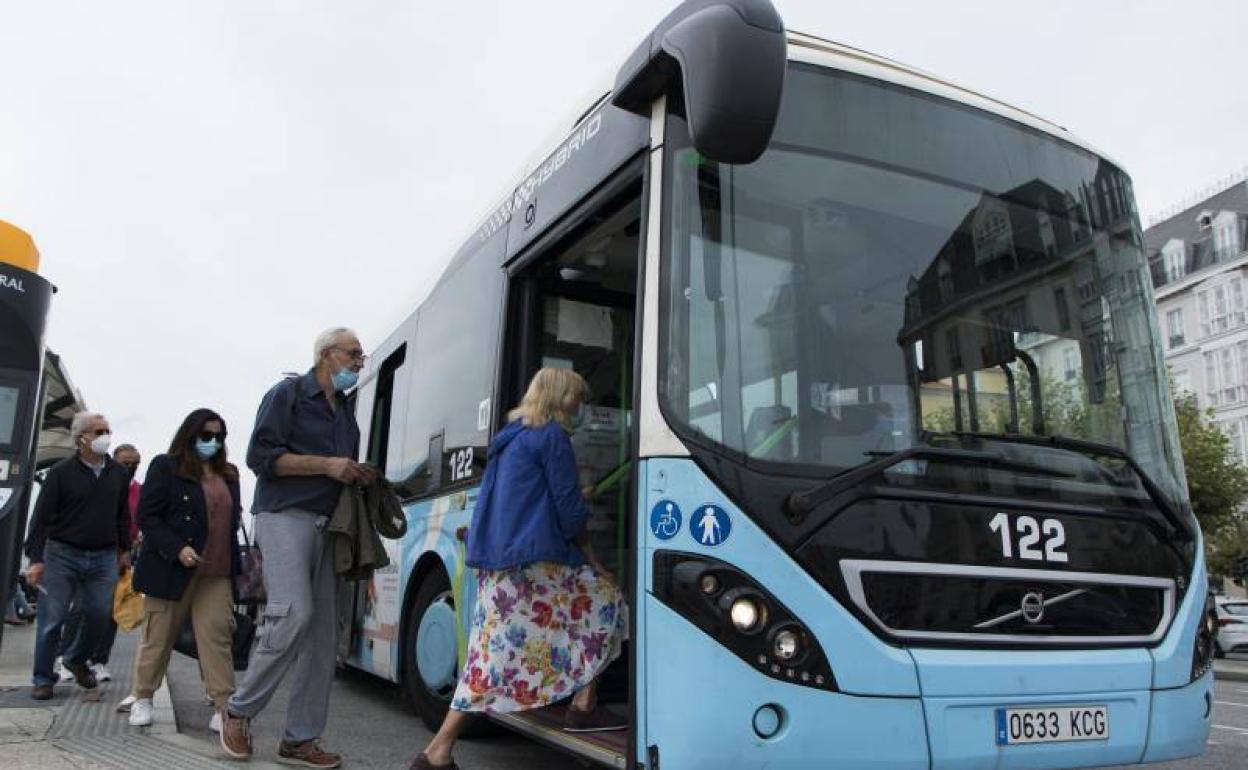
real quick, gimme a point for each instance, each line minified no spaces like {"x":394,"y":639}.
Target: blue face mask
{"x":207,"y":449}
{"x":345,"y":380}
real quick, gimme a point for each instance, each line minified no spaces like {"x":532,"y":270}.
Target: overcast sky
{"x":211,"y":183}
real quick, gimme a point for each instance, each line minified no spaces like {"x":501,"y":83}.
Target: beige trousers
{"x":210,"y":603}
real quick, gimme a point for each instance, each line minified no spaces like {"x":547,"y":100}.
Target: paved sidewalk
{"x":81,"y":730}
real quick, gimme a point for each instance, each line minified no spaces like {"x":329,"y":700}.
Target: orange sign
{"x":18,"y":248}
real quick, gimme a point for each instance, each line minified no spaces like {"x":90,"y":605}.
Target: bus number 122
{"x":1029,"y":535}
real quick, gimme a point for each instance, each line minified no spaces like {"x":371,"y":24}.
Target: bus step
{"x":546,"y":725}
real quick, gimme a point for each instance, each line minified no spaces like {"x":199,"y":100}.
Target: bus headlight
{"x":748,"y":614}
{"x":786,"y":645}
{"x":738,"y":613}
{"x":1206,"y":640}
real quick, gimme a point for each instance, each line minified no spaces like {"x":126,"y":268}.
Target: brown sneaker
{"x":306,"y":754}
{"x":82,"y":674}
{"x":598,"y":719}
{"x":235,"y":735}
{"x":41,"y":692}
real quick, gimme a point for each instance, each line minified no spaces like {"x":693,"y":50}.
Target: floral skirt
{"x":539,"y":633}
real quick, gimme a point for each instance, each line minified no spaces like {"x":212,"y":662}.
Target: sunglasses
{"x":209,"y":435}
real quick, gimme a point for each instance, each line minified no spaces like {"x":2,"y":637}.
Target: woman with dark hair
{"x":189,"y":513}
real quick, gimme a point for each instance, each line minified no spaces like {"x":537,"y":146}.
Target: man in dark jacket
{"x":79,"y":538}
{"x":302,"y":451}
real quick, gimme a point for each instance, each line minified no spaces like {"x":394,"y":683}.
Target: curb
{"x":1225,"y":675}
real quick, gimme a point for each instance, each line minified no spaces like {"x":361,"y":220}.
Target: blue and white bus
{"x":881,"y":434}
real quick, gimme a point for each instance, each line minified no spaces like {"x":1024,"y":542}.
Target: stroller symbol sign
{"x":709,"y":525}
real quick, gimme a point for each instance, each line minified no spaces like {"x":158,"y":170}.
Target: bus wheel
{"x":430,"y":664}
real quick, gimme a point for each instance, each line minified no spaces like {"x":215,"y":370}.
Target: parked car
{"x":1232,"y":625}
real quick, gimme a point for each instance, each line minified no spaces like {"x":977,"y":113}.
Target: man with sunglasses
{"x":79,"y":539}
{"x":303,"y":451}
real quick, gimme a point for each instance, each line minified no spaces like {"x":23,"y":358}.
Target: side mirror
{"x":729,"y":57}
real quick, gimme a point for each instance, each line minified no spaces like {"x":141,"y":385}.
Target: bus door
{"x":572,"y":304}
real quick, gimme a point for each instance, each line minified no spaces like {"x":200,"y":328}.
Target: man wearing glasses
{"x":79,"y":539}
{"x":302,"y":452}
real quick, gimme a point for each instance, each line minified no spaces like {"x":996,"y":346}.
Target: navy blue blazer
{"x":172,"y":515}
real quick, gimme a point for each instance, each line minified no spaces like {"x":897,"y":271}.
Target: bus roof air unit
{"x":729,"y":57}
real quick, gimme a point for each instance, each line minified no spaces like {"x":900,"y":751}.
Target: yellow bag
{"x":127,"y":603}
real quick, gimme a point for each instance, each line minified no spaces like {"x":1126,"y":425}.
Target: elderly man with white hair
{"x":79,"y":539}
{"x":302,"y":451}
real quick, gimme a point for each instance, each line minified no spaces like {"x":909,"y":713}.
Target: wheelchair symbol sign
{"x":665,"y":519}
{"x":709,"y":525}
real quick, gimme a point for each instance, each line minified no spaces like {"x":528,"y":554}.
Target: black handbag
{"x":240,"y":645}
{"x":249,"y":582}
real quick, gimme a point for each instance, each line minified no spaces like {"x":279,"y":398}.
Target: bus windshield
{"x":900,"y":270}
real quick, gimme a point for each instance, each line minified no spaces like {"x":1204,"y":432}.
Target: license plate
{"x":1052,"y":725}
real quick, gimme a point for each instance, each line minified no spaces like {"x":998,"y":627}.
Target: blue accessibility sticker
{"x":665,"y":519}
{"x":709,"y":525}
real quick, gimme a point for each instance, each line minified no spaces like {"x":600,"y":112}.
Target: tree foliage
{"x":1217,"y":482}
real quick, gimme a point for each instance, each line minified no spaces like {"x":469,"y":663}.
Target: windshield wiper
{"x":801,"y":503}
{"x":1159,"y":497}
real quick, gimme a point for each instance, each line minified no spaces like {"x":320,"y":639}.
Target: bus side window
{"x":436,"y":443}
{"x":379,"y":426}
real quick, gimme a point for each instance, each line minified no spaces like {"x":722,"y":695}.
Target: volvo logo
{"x":1033,"y":607}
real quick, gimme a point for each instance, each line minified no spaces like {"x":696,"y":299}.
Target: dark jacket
{"x":79,"y":509}
{"x":296,"y":418}
{"x":172,"y":515}
{"x":530,"y":507}
{"x":361,"y":519}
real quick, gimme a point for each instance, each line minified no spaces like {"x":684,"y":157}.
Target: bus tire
{"x":430,"y":654}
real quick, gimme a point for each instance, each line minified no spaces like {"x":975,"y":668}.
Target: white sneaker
{"x":214,"y":724}
{"x":125,"y":704}
{"x":102,"y":674}
{"x":141,"y":713}
{"x":63,"y":674}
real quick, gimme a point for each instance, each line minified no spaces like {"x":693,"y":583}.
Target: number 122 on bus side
{"x":1052,"y":725}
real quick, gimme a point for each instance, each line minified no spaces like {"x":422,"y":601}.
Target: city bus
{"x":881,"y":440}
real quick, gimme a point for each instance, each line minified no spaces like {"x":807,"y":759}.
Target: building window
{"x":1202,"y":300}
{"x":1237,"y":302}
{"x":1230,"y":375}
{"x":1241,"y":350}
{"x":1071,"y":364}
{"x":1222,"y":307}
{"x":1174,"y":325}
{"x":1063,"y":310}
{"x":1174,"y":263}
{"x":1211,"y":380}
{"x":1182,"y":382}
{"x":1235,"y":432}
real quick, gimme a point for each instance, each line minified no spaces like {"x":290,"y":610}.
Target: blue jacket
{"x":530,"y":507}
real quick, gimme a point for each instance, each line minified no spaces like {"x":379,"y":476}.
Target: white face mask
{"x":99,"y":444}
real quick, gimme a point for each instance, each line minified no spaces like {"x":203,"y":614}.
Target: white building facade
{"x":1199,"y":265}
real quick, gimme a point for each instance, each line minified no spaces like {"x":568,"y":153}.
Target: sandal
{"x":421,"y":762}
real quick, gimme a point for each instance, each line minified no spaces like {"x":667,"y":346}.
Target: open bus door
{"x":572,"y":303}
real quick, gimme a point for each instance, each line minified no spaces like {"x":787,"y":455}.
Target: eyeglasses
{"x":209,"y":435}
{"x":355,"y":353}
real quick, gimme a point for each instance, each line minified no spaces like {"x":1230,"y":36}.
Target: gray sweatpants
{"x":300,"y":624}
